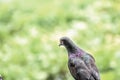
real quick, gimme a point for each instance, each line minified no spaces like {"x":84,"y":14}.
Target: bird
{"x":80,"y":63}
{"x":1,"y":78}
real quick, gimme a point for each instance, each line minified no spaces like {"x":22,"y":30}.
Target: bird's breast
{"x":71,"y":66}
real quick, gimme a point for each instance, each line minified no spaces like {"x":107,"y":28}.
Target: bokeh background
{"x":30,"y":32}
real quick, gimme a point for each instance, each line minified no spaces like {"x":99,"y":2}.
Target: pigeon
{"x":80,"y":63}
{"x":1,"y":77}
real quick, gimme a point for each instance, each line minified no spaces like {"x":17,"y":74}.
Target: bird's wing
{"x":90,"y":63}
{"x":79,"y":70}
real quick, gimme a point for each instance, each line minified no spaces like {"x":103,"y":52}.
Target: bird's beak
{"x":61,"y":43}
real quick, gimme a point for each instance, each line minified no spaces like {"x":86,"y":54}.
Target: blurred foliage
{"x":30,"y":32}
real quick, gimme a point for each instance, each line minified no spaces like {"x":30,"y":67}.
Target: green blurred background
{"x":30,"y":32}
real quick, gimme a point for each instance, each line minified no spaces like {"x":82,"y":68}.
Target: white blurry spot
{"x":117,"y":54}
{"x":40,"y":75}
{"x":113,"y":64}
{"x":117,"y":40}
{"x":8,"y":50}
{"x":95,"y":42}
{"x":103,"y":3}
{"x":6,"y":58}
{"x":48,"y":47}
{"x":98,"y":3}
{"x":33,"y":32}
{"x":92,"y":15}
{"x":71,"y":32}
{"x":44,"y":58}
{"x":30,"y":57}
{"x":79,"y":25}
{"x":108,"y":26}
{"x":6,"y":1}
{"x":21,"y":40}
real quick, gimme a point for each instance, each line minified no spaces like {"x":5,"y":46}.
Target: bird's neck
{"x":71,"y":48}
{"x":74,"y":50}
{"x":77,"y":53}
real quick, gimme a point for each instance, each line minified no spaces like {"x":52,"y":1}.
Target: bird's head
{"x":68,"y":44}
{"x":64,"y":41}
